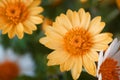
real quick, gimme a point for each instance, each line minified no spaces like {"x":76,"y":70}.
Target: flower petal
{"x":12,"y":32}
{"x":65,"y":22}
{"x":67,"y":65}
{"x":89,"y":65}
{"x":35,"y":3}
{"x":96,"y":26}
{"x":103,"y":38}
{"x":7,"y":28}
{"x":57,"y":57}
{"x":100,"y":60}
{"x":93,"y":55}
{"x":77,"y":68}
{"x":115,"y":45}
{"x":52,"y":33}
{"x":35,"y":19}
{"x":51,"y":43}
{"x":19,"y":30}
{"x":35,"y":10}
{"x":84,"y":18}
{"x":31,"y":25}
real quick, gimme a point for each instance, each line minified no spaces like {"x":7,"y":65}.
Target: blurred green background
{"x":107,"y":9}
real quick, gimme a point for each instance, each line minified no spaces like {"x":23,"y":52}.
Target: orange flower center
{"x":78,"y":41}
{"x":8,"y":70}
{"x":110,"y":70}
{"x":16,"y":12}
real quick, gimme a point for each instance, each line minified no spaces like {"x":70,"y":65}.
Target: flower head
{"x":75,"y":39}
{"x":12,"y":65}
{"x":19,"y":16}
{"x":109,"y":64}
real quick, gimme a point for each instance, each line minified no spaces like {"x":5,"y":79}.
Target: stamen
{"x":16,"y":13}
{"x":8,"y":70}
{"x":78,"y":41}
{"x":110,"y":69}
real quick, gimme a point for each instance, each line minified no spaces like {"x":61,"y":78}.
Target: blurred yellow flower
{"x":83,"y":1}
{"x":75,"y":40}
{"x":47,"y":22}
{"x":109,"y":64}
{"x":19,"y":16}
{"x":118,"y":3}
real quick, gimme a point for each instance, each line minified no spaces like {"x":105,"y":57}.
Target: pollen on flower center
{"x":8,"y":70}
{"x":110,"y":70}
{"x":78,"y":41}
{"x":17,"y":12}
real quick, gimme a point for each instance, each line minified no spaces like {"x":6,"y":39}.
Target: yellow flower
{"x":83,"y":1}
{"x":19,"y":16}
{"x":75,"y":40}
{"x":109,"y":64}
{"x":47,"y":22}
{"x":118,"y":3}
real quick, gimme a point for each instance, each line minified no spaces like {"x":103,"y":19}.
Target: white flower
{"x":13,"y":65}
{"x":109,"y":62}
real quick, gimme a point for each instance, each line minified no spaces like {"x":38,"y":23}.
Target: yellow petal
{"x":27,"y":2}
{"x":85,"y":21}
{"x":74,"y":18}
{"x":67,"y":65}
{"x":35,"y":19}
{"x":35,"y":10}
{"x":30,"y":25}
{"x":12,"y":32}
{"x":65,"y":22}
{"x":59,"y":29}
{"x":89,"y":65}
{"x":96,"y":26}
{"x":69,"y":14}
{"x":27,"y":29}
{"x":93,"y":55}
{"x":84,"y":18}
{"x":77,"y":68}
{"x":7,"y":28}
{"x":99,"y":47}
{"x":51,"y":43}
{"x":57,"y":57}
{"x":52,"y":33}
{"x":35,"y":3}
{"x":19,"y":30}
{"x":103,"y":38}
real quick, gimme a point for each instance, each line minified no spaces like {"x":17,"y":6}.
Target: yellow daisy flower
{"x":109,"y":64}
{"x":118,"y":3}
{"x":75,"y":40}
{"x":19,"y":16}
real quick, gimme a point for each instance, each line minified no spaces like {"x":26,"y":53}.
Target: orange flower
{"x":75,"y":39}
{"x":19,"y":16}
{"x":109,"y":64}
